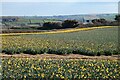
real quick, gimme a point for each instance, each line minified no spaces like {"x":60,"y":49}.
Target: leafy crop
{"x":94,"y":42}
{"x":67,"y":69}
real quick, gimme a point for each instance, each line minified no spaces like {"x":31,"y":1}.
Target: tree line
{"x":75,"y":23}
{"x":70,"y":23}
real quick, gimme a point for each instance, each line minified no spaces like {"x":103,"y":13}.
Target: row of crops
{"x":92,"y":43}
{"x":67,"y":69}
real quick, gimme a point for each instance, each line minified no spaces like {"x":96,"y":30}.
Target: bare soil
{"x":54,"y":56}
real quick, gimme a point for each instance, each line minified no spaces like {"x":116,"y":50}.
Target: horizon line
{"x":64,"y":14}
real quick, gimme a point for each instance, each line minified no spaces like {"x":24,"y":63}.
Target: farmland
{"x":90,"y":42}
{"x":101,"y":41}
{"x":67,"y":69}
{"x":59,"y":41}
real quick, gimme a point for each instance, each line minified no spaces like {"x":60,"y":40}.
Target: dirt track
{"x":54,"y":56}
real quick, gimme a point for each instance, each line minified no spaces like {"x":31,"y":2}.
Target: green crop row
{"x":95,"y":42}
{"x":59,"y":51}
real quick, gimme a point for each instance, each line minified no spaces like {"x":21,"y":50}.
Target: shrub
{"x":117,"y":18}
{"x":99,"y":22}
{"x":51,"y":25}
{"x":70,"y":24}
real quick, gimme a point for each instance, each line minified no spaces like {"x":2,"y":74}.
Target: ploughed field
{"x":101,"y":41}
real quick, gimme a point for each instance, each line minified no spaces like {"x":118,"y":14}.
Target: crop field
{"x":91,"y":42}
{"x":67,"y":69}
{"x":101,"y":41}
{"x":26,"y":21}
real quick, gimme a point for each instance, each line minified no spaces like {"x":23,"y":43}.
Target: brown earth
{"x":54,"y":56}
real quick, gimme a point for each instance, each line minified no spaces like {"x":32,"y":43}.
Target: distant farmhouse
{"x":88,"y":19}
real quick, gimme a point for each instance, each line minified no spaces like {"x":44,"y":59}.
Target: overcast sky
{"x":57,"y":7}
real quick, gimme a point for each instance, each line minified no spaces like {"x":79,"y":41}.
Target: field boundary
{"x":55,"y":56}
{"x":59,"y":31}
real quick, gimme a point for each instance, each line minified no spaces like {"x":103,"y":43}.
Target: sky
{"x":60,"y":0}
{"x":58,"y":7}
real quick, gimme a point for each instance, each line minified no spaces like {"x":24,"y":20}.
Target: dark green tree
{"x":117,"y":18}
{"x":51,"y":25}
{"x":70,"y":24}
{"x":103,"y":21}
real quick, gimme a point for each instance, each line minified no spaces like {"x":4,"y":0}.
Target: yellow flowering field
{"x":67,"y":69}
{"x":103,"y":41}
{"x":96,"y":42}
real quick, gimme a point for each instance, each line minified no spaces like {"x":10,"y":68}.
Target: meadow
{"x":54,"y":69}
{"x":100,"y":41}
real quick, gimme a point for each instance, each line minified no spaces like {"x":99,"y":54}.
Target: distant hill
{"x":80,"y":17}
{"x":109,"y":17}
